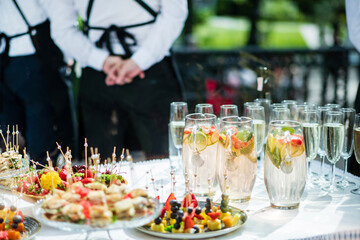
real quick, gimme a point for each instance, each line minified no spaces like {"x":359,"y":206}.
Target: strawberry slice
{"x":296,"y":139}
{"x":86,"y":205}
{"x":82,"y":191}
{"x":187,"y":131}
{"x":167,"y":204}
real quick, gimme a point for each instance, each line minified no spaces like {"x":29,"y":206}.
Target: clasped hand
{"x":120,"y":72}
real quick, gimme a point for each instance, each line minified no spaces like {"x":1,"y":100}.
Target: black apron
{"x":127,"y":40}
{"x":54,"y":68}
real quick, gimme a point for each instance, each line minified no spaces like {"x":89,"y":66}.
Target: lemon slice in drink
{"x":200,"y":141}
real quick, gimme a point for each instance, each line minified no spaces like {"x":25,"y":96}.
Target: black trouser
{"x":25,"y":102}
{"x":140,"y":109}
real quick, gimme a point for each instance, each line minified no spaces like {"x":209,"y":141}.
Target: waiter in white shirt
{"x":353,"y":22}
{"x":34,"y":95}
{"x":124,"y":49}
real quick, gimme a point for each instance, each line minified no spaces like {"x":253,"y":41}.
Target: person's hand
{"x":126,"y":73}
{"x":111,"y":63}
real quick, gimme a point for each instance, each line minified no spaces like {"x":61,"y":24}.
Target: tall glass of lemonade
{"x":285,"y":164}
{"x":200,"y":141}
{"x":236,"y":168}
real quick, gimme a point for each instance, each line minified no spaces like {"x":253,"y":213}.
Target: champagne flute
{"x":266,"y":104}
{"x":229,"y":110}
{"x":311,"y":132}
{"x":257,"y":114}
{"x":300,"y":108}
{"x":178,"y":112}
{"x":204,"y":108}
{"x":357,"y":146}
{"x":282,"y":113}
{"x":349,"y":117}
{"x":291,"y":104}
{"x":334,"y":141}
{"x":322,"y":153}
{"x":249,"y":104}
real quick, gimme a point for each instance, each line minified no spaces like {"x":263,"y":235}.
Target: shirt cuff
{"x":143,"y":59}
{"x":97,"y":58}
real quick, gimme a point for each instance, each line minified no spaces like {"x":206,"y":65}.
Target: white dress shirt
{"x":153,"y":40}
{"x":353,"y":21}
{"x":11,"y":23}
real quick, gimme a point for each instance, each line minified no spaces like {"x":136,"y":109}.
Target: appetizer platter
{"x":181,"y":220}
{"x":87,"y":207}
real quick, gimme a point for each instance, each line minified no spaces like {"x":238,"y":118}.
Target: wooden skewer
{"x":7,"y":138}
{"x":2,"y":135}
{"x":51,"y":170}
{"x":62,"y":153}
{"x":86,"y":146}
{"x":122,"y":156}
{"x":17,"y":138}
{"x":13,"y":137}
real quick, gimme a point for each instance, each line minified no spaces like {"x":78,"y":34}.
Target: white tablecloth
{"x":317,"y":214}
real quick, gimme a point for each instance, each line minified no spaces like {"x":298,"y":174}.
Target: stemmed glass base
{"x":345,"y":183}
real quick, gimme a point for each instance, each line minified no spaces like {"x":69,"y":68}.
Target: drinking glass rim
{"x":241,"y":119}
{"x":207,"y":116}
{"x":324,"y":107}
{"x":281,"y":123}
{"x":256,"y":107}
{"x":228,"y":106}
{"x":178,"y":103}
{"x":334,"y":113}
{"x":204,"y":105}
{"x":347,"y":110}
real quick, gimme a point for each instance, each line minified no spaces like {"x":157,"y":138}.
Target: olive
{"x":173,"y":215}
{"x":177,"y":226}
{"x":174,"y":209}
{"x":17,"y":219}
{"x":1,"y":220}
{"x":207,"y":205}
{"x":13,"y":208}
{"x":197,"y":211}
{"x":2,"y":206}
{"x":14,"y":225}
{"x":207,"y":211}
{"x":179,"y":219}
{"x":178,"y":203}
{"x":158,"y":220}
{"x":189,"y":210}
{"x":180,"y":213}
{"x":208,"y":200}
{"x":173,"y":202}
{"x":197,"y":229}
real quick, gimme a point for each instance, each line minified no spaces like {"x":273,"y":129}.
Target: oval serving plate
{"x":68,"y":226}
{"x":208,"y":234}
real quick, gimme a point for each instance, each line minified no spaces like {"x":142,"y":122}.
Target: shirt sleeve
{"x":69,"y":38}
{"x":166,"y":29}
{"x":353,"y":21}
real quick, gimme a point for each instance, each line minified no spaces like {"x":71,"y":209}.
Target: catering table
{"x":320,"y":216}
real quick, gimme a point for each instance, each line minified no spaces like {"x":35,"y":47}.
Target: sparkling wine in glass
{"x":322,"y":180}
{"x":334,"y":141}
{"x":349,"y":118}
{"x":357,"y":146}
{"x":178,"y":112}
{"x":311,"y":130}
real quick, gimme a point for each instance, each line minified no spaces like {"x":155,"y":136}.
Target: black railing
{"x":231,"y":73}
